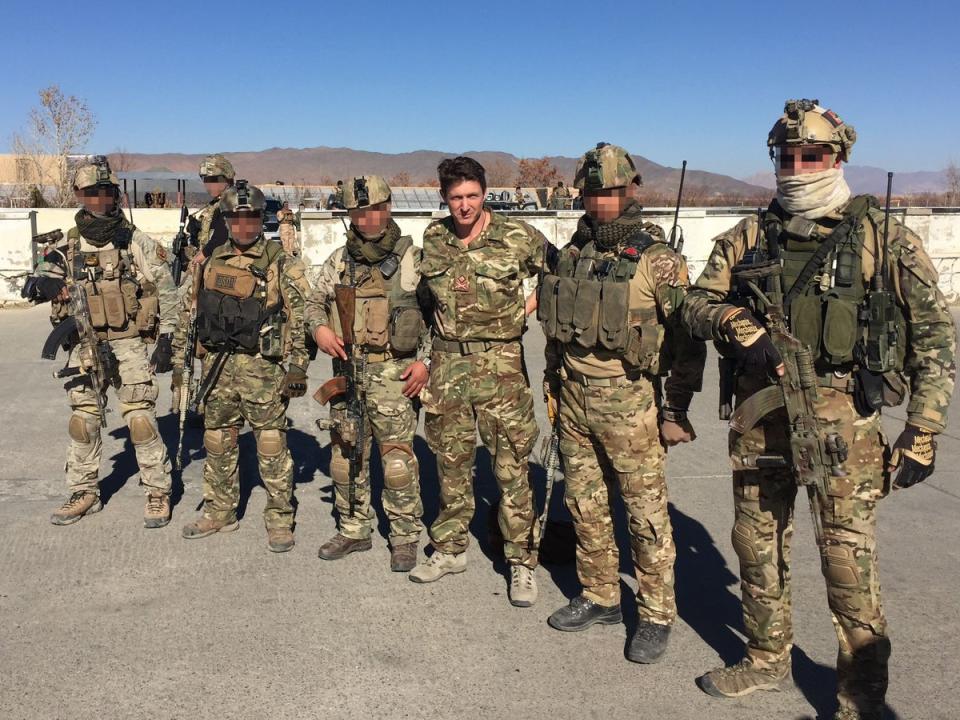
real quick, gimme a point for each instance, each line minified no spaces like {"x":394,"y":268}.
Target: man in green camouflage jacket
{"x":826,"y":245}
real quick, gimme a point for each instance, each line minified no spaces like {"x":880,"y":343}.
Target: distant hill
{"x":321,"y":165}
{"x":865,"y":179}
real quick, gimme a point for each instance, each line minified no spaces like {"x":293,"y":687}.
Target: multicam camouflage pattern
{"x":248,"y":390}
{"x":606,"y":166}
{"x":804,"y":122}
{"x":217,"y":165}
{"x":764,"y":499}
{"x":478,"y":290}
{"x":242,"y":197}
{"x":615,"y":429}
{"x":89,"y":175}
{"x":392,"y":421}
{"x":488,"y":391}
{"x":378,"y":191}
{"x":136,"y":391}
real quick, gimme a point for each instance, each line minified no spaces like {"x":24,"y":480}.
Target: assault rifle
{"x":349,"y":383}
{"x":676,"y":232}
{"x":550,"y":460}
{"x":180,"y":244}
{"x":814,"y":456}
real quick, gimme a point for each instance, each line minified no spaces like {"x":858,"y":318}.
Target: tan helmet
{"x":242,"y":196}
{"x":805,"y":122}
{"x":365,"y":191}
{"x":606,"y":166}
{"x":217,"y":165}
{"x":95,"y":173}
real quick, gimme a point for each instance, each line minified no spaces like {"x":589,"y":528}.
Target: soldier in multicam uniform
{"x":559,"y":197}
{"x":207,"y":227}
{"x":474,"y":265}
{"x":250,"y":305}
{"x":288,"y":230}
{"x":388,"y":326}
{"x":519,"y":197}
{"x":129,"y":287}
{"x":828,"y":296}
{"x":609,"y":306}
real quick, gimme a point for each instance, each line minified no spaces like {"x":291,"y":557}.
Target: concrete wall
{"x":322,"y":232}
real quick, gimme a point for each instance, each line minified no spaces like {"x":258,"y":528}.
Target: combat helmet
{"x":365,"y":191}
{"x":96,"y":172}
{"x":606,"y":166}
{"x":805,"y":122}
{"x":242,"y":196}
{"x":217,"y":166}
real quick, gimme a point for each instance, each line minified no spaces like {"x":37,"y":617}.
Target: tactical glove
{"x":550,"y":395}
{"x":751,"y":343}
{"x":41,"y":289}
{"x":294,"y":382}
{"x":162,"y":358}
{"x":914,"y":453}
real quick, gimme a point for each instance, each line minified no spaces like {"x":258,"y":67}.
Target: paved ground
{"x":104,"y":619}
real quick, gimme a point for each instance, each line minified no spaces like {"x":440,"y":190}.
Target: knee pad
{"x":399,"y":466}
{"x":840,"y":566}
{"x":271,"y":443}
{"x":220,"y":441}
{"x":81,"y":428}
{"x":744,"y":544}
{"x":141,"y":427}
{"x":340,"y":469}
{"x":138,"y":395}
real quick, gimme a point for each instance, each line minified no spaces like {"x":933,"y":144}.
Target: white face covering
{"x":813,"y":195}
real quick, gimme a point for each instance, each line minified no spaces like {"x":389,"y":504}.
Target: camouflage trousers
{"x":610,"y":439}
{"x":136,"y":390}
{"x":248,"y":390}
{"x":762,"y":534}
{"x":391,"y":420}
{"x":487,"y":391}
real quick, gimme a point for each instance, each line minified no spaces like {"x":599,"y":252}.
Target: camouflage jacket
{"x":657,"y":291}
{"x":286,"y":279}
{"x":478,"y":291}
{"x":323,"y":300}
{"x":207,"y":227}
{"x":930,"y":360}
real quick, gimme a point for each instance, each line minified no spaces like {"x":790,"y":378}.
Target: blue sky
{"x":695,"y":80}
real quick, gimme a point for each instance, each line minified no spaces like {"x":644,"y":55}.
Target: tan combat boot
{"x":403,"y":558}
{"x":280,"y":539}
{"x":205,"y":525}
{"x":744,"y":678}
{"x":157,"y":512}
{"x":523,"y":586}
{"x":438,"y":565}
{"x":339,"y":546}
{"x":76,"y":506}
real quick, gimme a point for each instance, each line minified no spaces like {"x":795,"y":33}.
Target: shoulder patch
{"x":161,"y":253}
{"x":668,"y":268}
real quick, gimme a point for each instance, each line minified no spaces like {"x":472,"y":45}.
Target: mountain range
{"x":864,"y":179}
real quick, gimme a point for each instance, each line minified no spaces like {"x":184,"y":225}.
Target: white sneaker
{"x":438,"y":565}
{"x":523,"y":586}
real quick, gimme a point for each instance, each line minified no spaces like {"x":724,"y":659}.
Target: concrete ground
{"x":104,"y":619}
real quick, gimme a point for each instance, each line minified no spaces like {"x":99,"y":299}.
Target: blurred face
{"x":99,"y":199}
{"x":245,"y":226}
{"x":371,"y":221}
{"x":789,"y":160}
{"x":215,"y":184}
{"x":606,"y":205}
{"x":465,"y":200}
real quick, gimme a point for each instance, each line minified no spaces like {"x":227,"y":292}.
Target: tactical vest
{"x":826,"y":297}
{"x":121,"y":306}
{"x":239,"y":306}
{"x":588,"y":303}
{"x":386,"y":317}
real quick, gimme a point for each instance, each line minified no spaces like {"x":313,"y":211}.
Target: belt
{"x":469,"y":347}
{"x":603,"y":382}
{"x":376,"y":357}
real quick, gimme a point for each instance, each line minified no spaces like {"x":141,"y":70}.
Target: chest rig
{"x":120,"y":305}
{"x":239,"y":306}
{"x":386,"y":317}
{"x":587,"y":303}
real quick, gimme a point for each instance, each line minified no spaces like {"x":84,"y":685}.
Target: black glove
{"x":914,"y":453}
{"x":751,"y":343}
{"x":163,"y":354}
{"x":294,"y":382}
{"x":42,"y":288}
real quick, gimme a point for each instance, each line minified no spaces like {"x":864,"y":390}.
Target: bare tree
{"x":532,"y":172}
{"x":953,"y":184}
{"x":56,"y":132}
{"x":500,"y":173}
{"x":401,"y":179}
{"x":120,"y":160}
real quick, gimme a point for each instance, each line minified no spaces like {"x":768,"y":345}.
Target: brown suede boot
{"x":403,"y":558}
{"x":205,"y":525}
{"x":280,"y":539}
{"x":156,"y":514}
{"x":339,"y":546}
{"x":76,"y":506}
